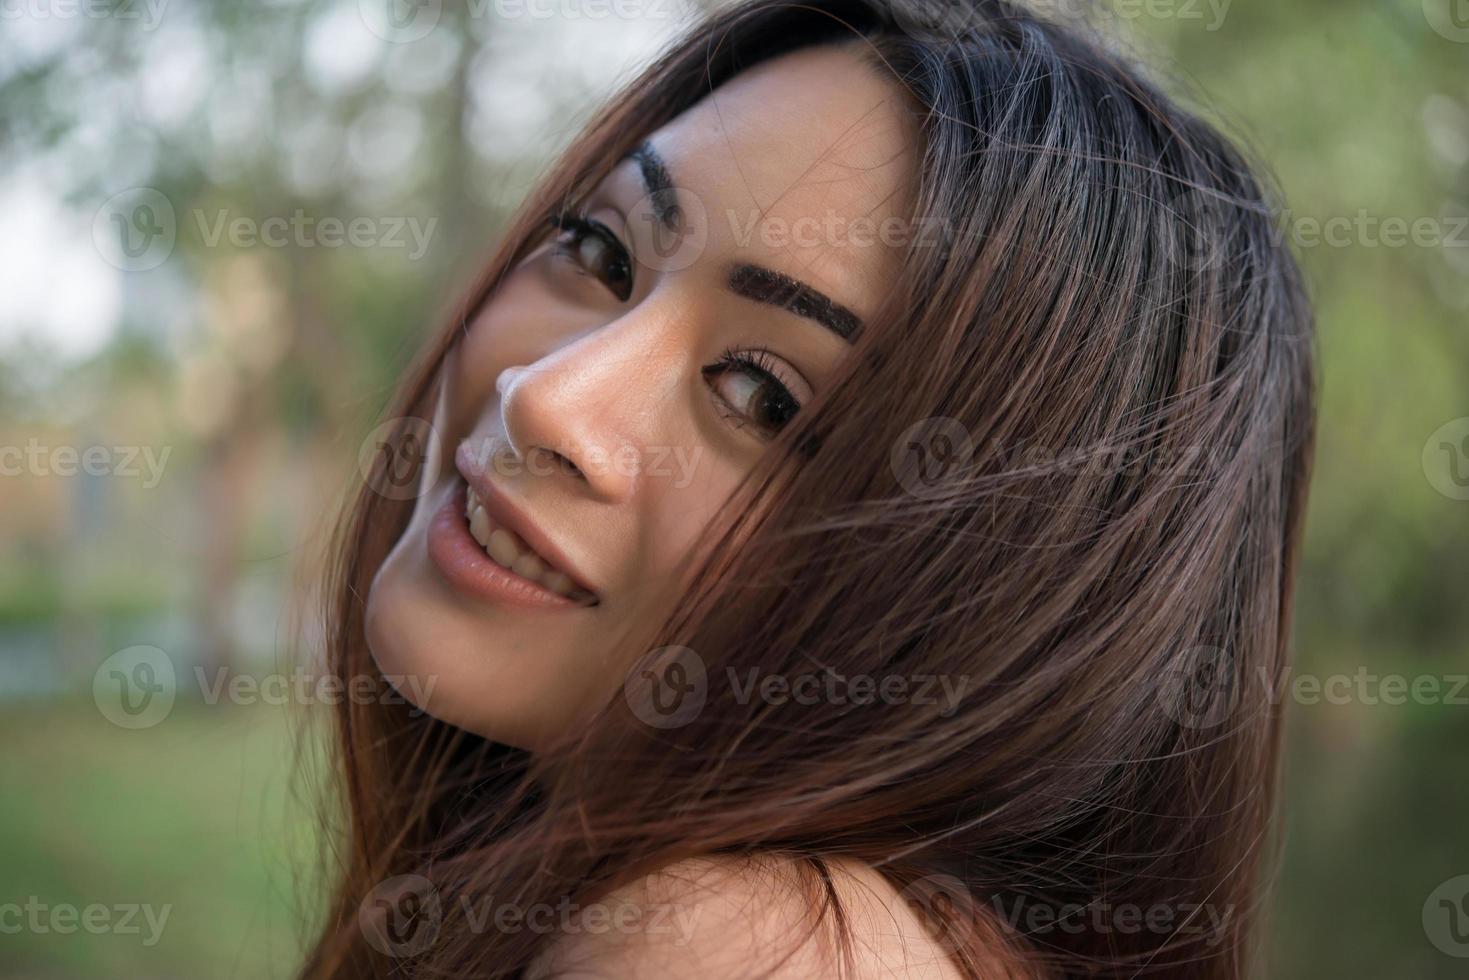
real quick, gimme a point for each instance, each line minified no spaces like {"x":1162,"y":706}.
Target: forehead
{"x":802,"y":164}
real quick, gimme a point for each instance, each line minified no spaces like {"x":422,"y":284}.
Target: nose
{"x":589,"y":410}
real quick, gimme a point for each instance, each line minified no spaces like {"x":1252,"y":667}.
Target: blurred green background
{"x":242,"y":375}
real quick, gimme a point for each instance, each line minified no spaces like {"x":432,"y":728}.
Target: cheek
{"x":520,"y":324}
{"x":398,"y":617}
{"x":481,"y":354}
{"x":684,"y":524}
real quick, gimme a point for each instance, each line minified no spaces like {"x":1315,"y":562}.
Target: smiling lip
{"x":463,"y":562}
{"x":463,"y":559}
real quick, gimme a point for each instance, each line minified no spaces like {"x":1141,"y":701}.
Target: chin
{"x":489,"y":671}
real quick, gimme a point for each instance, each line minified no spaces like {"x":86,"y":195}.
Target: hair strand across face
{"x":1062,"y":472}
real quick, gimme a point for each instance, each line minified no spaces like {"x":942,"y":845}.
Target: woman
{"x":856,"y":529}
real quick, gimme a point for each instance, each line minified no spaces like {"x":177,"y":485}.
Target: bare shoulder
{"x":731,"y":918}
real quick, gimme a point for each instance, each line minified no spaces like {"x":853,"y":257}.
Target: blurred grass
{"x":1373,"y":822}
{"x":195,"y":814}
{"x":188,"y":814}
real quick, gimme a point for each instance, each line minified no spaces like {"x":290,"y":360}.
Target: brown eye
{"x":596,"y":250}
{"x":746,"y":385}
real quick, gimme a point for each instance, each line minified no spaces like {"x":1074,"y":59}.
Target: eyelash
{"x":759,"y":365}
{"x":583,"y":227}
{"x":754,"y":363}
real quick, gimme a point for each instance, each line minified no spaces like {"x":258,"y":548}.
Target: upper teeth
{"x":507,"y":550}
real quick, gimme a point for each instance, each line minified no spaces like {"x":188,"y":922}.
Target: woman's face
{"x":624,"y":377}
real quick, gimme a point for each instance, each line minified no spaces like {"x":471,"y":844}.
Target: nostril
{"x":551,"y":460}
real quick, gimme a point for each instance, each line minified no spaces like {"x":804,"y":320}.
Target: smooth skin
{"x":725,"y":918}
{"x":793,"y":164}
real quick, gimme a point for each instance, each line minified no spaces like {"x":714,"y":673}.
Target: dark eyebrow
{"x":750,"y":281}
{"x":768,"y":286}
{"x":659,"y":184}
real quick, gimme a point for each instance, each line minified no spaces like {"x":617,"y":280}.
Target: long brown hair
{"x":1066,"y":462}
